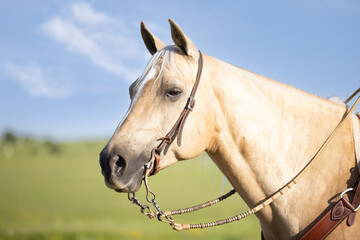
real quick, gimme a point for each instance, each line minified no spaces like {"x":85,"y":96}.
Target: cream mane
{"x":162,"y":59}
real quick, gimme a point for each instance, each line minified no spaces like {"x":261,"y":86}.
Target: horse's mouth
{"x":132,"y":188}
{"x":124,"y":190}
{"x":121,"y":185}
{"x":118,"y":187}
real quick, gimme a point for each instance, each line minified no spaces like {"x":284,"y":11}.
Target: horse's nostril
{"x":119,"y":164}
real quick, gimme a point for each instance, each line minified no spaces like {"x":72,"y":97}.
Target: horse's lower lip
{"x":122,"y":190}
{"x":131,"y":184}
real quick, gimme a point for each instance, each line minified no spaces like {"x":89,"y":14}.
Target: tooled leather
{"x":329,"y":221}
{"x":341,"y":210}
{"x":321,"y":229}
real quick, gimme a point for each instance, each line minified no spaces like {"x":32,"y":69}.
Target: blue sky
{"x":66,"y":65}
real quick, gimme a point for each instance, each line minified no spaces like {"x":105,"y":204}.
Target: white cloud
{"x":34,"y":81}
{"x":103,"y":40}
{"x":84,"y":13}
{"x":98,"y":37}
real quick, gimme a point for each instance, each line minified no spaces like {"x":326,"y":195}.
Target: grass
{"x":58,"y":193}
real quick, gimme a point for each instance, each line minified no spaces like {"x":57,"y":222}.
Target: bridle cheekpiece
{"x":152,"y":166}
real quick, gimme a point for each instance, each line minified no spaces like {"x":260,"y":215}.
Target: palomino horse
{"x":260,"y":134}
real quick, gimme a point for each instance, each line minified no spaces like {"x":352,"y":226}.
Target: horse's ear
{"x":153,"y":44}
{"x":183,"y":42}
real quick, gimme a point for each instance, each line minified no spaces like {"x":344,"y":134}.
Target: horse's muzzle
{"x":117,"y":174}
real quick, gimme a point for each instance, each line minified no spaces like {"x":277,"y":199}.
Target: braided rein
{"x":167,"y":216}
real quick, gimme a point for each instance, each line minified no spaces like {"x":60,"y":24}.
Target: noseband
{"x":152,"y":167}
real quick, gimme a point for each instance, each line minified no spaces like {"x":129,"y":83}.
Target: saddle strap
{"x":341,"y":210}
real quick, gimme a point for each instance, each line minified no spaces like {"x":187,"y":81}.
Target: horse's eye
{"x":173,"y":92}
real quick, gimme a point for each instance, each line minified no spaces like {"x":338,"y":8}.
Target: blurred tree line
{"x":10,"y":142}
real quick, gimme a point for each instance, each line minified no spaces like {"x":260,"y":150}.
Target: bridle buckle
{"x":348,"y":190}
{"x":190,"y":103}
{"x":148,"y":165}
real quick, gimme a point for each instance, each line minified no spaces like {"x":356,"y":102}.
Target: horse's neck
{"x":266,"y":132}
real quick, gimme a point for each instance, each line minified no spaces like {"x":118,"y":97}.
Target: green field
{"x":56,"y":191}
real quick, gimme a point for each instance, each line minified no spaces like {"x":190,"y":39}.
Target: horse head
{"x":157,"y":98}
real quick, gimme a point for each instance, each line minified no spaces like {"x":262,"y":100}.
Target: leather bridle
{"x":152,"y":167}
